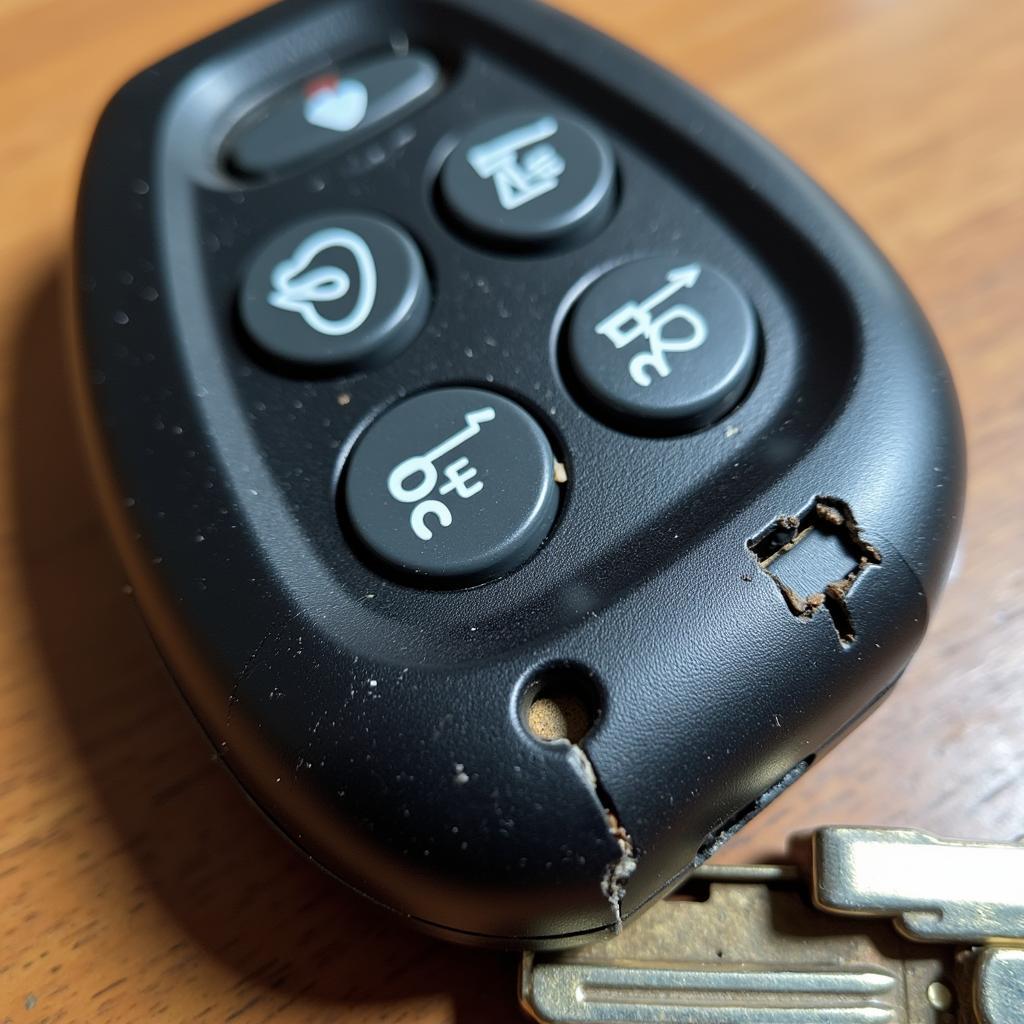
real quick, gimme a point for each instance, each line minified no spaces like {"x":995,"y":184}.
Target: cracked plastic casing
{"x":380,"y":724}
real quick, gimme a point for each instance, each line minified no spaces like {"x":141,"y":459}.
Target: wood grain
{"x":135,"y":883}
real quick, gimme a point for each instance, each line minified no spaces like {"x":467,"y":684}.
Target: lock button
{"x":663,"y":344}
{"x":453,"y":484}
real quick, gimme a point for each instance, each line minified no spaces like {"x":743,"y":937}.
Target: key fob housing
{"x":722,"y":576}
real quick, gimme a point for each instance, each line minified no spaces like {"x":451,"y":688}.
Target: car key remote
{"x":525,"y":471}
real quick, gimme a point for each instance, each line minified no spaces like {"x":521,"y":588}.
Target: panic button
{"x":330,"y":109}
{"x":457,"y":484}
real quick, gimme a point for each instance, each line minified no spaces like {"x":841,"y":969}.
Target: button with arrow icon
{"x":664,"y":344}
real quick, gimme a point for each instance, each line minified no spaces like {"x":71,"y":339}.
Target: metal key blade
{"x":751,"y":949}
{"x":776,"y":945}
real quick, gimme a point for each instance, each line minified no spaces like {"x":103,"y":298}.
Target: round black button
{"x":345,"y":289}
{"x":662,"y":343}
{"x":528,"y":178}
{"x":455,"y":483}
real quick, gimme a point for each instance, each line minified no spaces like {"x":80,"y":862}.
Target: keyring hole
{"x":561,"y":704}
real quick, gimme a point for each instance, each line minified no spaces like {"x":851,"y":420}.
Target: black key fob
{"x":524,"y":469}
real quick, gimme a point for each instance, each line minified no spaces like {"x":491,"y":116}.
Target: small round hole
{"x":561,"y":704}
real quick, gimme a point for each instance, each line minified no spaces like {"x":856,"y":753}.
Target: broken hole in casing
{"x":814,"y":558}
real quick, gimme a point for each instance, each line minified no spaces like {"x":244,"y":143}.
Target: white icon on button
{"x":298,"y":287}
{"x":458,"y":475}
{"x":634,"y":320}
{"x":337,"y":104}
{"x":520,"y":179}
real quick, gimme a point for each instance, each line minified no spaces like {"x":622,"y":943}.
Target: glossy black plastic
{"x":379,"y":724}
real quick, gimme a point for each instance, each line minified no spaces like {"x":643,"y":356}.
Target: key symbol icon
{"x":458,"y":475}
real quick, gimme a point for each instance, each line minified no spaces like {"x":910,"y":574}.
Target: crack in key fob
{"x":525,"y":470}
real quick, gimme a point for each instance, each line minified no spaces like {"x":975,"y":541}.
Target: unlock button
{"x":457,"y":484}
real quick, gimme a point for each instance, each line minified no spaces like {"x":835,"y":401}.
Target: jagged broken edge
{"x":619,"y":871}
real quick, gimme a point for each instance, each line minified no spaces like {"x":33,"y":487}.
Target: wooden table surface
{"x":135,"y":882}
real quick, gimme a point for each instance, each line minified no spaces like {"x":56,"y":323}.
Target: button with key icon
{"x":344,"y":290}
{"x":529,"y":178}
{"x":457,"y":484}
{"x":663,"y":345}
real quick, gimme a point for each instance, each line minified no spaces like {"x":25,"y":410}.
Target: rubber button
{"x":454,"y":484}
{"x":528,"y":178}
{"x":331,"y":109}
{"x":663,"y":344}
{"x":345,"y":290}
